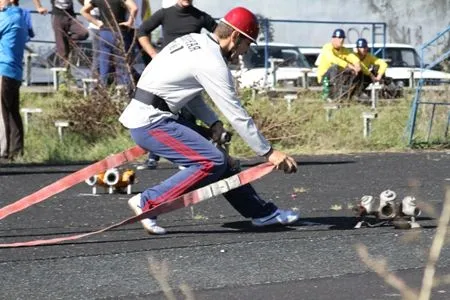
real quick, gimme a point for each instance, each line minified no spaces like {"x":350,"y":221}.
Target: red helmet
{"x":243,"y":21}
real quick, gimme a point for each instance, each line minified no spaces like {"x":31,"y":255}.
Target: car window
{"x":399,"y":57}
{"x":311,"y":58}
{"x":255,"y":57}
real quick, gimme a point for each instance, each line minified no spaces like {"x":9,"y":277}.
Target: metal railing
{"x":411,"y":126}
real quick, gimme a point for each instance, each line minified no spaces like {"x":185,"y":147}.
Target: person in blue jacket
{"x":27,"y":17}
{"x":13,"y":36}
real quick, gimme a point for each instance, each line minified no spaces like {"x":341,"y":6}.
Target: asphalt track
{"x":215,"y":251}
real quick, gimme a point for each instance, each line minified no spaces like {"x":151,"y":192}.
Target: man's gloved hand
{"x":219,"y":135}
{"x":282,"y":161}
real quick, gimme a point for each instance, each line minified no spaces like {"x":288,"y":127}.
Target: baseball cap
{"x":339,"y":33}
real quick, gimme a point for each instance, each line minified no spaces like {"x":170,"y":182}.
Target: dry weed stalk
{"x":435,"y":250}
{"x":380,"y":267}
{"x":429,"y":280}
{"x":160,"y":271}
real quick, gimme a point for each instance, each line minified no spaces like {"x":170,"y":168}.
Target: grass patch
{"x":302,"y":129}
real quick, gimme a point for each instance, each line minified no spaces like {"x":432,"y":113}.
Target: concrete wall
{"x":413,"y":22}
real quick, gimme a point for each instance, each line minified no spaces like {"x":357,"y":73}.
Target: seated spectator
{"x":372,"y":67}
{"x":335,"y":60}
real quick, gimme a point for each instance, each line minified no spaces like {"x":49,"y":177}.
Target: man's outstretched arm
{"x":42,"y":10}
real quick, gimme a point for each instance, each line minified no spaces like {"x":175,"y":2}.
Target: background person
{"x":115,"y":36}
{"x":13,"y":37}
{"x":176,"y":20}
{"x":94,"y":32}
{"x":175,"y":78}
{"x":372,"y":67}
{"x":66,"y":27}
{"x":27,"y":16}
{"x":168,"y":3}
{"x":334,"y":59}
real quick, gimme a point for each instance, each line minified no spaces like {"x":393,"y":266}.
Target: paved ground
{"x":216,"y":252}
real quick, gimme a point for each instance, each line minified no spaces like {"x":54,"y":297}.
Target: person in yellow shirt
{"x":372,"y":67}
{"x":334,"y":58}
{"x":338,"y":67}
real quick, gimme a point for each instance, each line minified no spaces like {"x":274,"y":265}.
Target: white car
{"x":402,"y":59}
{"x":284,"y":64}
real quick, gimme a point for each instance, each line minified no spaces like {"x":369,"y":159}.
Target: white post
{"x":273,"y":69}
{"x":56,"y":77}
{"x":60,"y":125}
{"x":329,"y":108}
{"x":87,"y":82}
{"x":411,"y":79}
{"x":367,"y":119}
{"x":27,"y":112}
{"x":374,"y":93}
{"x":28,"y":58}
{"x":289,"y":98}
{"x":304,"y":76}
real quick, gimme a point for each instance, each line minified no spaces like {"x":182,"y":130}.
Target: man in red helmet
{"x":174,"y":79}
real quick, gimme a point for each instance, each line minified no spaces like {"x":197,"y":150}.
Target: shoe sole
{"x":278,"y":223}
{"x":138,"y":211}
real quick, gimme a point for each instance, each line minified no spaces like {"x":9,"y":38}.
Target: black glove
{"x":219,"y":135}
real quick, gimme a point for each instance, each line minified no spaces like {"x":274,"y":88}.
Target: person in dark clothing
{"x":66,"y":27}
{"x":177,"y":20}
{"x":115,"y":38}
{"x":13,"y":36}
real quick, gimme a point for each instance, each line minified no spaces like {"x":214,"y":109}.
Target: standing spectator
{"x":176,"y":20}
{"x":168,"y":3}
{"x":27,"y":16}
{"x":94,"y":32}
{"x":66,"y":27}
{"x":13,"y":37}
{"x":115,"y":38}
{"x":334,"y":59}
{"x":176,"y":77}
{"x":143,"y":13}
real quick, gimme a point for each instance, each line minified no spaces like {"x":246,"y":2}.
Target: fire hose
{"x":191,"y":198}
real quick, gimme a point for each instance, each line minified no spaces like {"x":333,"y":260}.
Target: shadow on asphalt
{"x":246,"y":226}
{"x":335,"y":223}
{"x":47,"y":164}
{"x":14,"y":173}
{"x":304,"y":163}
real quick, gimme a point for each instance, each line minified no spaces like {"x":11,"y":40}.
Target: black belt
{"x":151,"y":99}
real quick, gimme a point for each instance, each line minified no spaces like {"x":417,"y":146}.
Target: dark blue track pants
{"x":178,"y":142}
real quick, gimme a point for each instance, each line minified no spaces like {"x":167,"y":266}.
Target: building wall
{"x":414,"y":22}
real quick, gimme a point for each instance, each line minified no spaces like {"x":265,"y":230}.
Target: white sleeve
{"x":201,"y":110}
{"x":218,"y":83}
